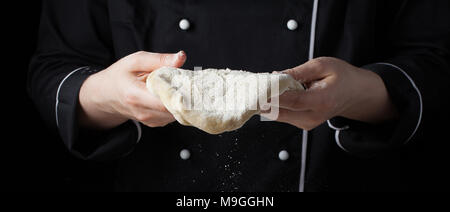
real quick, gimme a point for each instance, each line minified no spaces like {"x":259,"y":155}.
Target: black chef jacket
{"x":405,"y":42}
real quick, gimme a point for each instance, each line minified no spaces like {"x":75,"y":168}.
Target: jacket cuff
{"x":86,"y":144}
{"x":368,"y":140}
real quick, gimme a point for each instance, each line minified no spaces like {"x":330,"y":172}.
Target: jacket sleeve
{"x":75,"y":42}
{"x":415,"y":69}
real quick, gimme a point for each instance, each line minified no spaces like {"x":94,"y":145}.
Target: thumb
{"x":173,"y":60}
{"x":148,"y":61}
{"x":307,"y":73}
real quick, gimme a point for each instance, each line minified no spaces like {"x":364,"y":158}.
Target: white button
{"x":292,"y":25}
{"x":184,"y":24}
{"x":185,"y":154}
{"x":283,"y":155}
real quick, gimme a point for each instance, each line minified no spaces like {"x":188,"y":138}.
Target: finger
{"x":297,"y":100}
{"x":301,"y":119}
{"x":158,"y":124}
{"x":144,"y":109}
{"x":157,"y":119}
{"x":306,"y":120}
{"x":142,"y":98}
{"x":284,"y":115}
{"x":311,"y":71}
{"x":148,"y":61}
{"x":155,"y":116}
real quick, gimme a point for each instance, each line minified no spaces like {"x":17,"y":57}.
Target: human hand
{"x":335,"y":88}
{"x":118,"y":93}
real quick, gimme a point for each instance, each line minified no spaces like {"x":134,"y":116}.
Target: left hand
{"x":335,"y":88}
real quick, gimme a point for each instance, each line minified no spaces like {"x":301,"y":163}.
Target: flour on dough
{"x":216,"y":100}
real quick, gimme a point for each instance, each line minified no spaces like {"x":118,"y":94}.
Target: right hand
{"x":117,"y":94}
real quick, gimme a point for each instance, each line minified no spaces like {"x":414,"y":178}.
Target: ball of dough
{"x":216,"y":100}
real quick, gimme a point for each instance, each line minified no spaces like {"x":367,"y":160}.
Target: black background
{"x":33,"y":158}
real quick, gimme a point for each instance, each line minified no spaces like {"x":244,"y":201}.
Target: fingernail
{"x":179,"y":56}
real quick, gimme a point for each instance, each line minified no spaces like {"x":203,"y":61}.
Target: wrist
{"x":94,"y":110}
{"x":372,"y":103}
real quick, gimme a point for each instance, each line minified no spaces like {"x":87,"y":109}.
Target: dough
{"x":213,"y":100}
